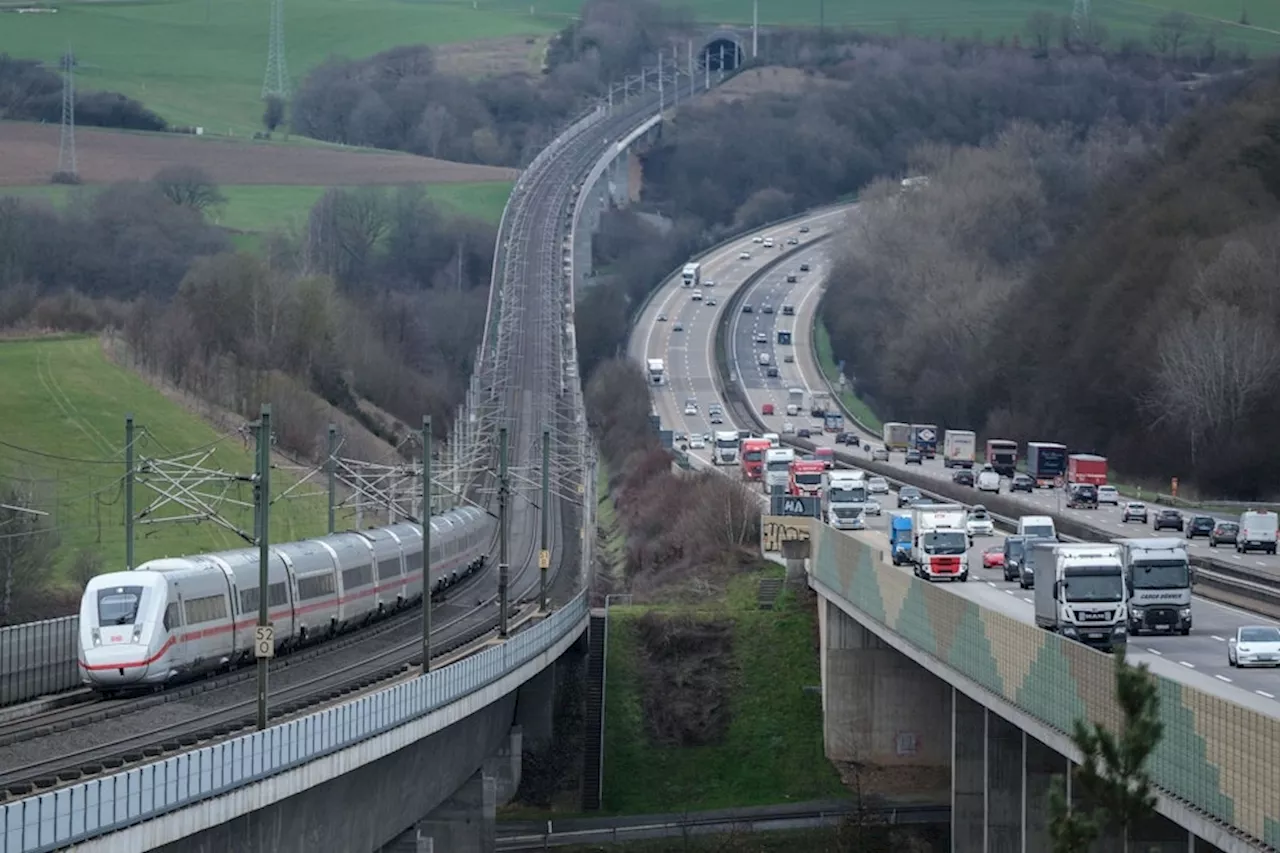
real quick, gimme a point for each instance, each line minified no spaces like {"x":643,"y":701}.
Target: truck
{"x":1046,"y":462}
{"x":795,"y":401}
{"x":657,"y":371}
{"x":691,"y":275}
{"x":924,"y":437}
{"x":726,"y":447}
{"x":1002,"y":456}
{"x":1158,"y":575}
{"x":900,"y":538}
{"x":751,"y":454}
{"x":819,"y":404}
{"x":958,"y":448}
{"x":940,"y":545}
{"x":833,"y":422}
{"x":896,"y":436}
{"x":1087,"y":468}
{"x":1080,"y":592}
{"x":777,"y":468}
{"x":807,"y":478}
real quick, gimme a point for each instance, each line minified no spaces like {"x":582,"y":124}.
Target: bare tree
{"x":188,"y":186}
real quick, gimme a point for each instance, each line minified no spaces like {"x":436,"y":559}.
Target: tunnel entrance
{"x":722,"y":54}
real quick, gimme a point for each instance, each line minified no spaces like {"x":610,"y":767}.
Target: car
{"x":788,"y":428}
{"x":791,"y":278}
{"x":662,"y":318}
{"x":1225,"y":533}
{"x":878,"y":486}
{"x":1134,"y":511}
{"x":963,"y":477}
{"x":744,"y":256}
{"x":804,"y":268}
{"x":993,"y":558}
{"x":761,"y":338}
{"x":914,"y":457}
{"x":880,"y":454}
{"x":978,"y":522}
{"x":1170,"y":518}
{"x":1254,"y":645}
{"x":678,"y":327}
{"x":804,"y":229}
{"x":771,"y":372}
{"x":767,"y":309}
{"x":908,"y":495}
{"x":803,"y":433}
{"x":766,"y":409}
{"x":1108,"y":495}
{"x":1022,"y":483}
{"x":710,"y":303}
{"x":1201,"y":525}
{"x":746,"y":308}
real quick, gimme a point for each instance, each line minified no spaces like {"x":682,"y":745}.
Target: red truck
{"x":1087,"y":468}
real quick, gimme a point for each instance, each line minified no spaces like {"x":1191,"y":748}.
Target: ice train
{"x":177,"y":617}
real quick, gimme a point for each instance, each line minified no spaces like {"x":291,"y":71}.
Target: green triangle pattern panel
{"x":913,"y":622}
{"x":1272,"y":832}
{"x":865,"y":593}
{"x":1049,"y":691}
{"x":1180,"y":763}
{"x":971,"y":652}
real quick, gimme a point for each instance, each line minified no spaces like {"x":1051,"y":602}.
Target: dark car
{"x":746,"y":309}
{"x":1022,"y":483}
{"x":908,"y":495}
{"x":963,"y":477}
{"x":1201,"y":525}
{"x":1225,"y":533}
{"x":1170,"y":518}
{"x":914,"y":457}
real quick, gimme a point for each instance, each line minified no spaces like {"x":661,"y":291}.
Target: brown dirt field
{"x":104,"y":156}
{"x":492,"y":57}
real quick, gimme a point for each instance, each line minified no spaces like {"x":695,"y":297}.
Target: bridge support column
{"x":466,"y":822}
{"x":535,"y":709}
{"x":879,"y":707}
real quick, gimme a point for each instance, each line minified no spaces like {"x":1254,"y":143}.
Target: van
{"x":764,"y":359}
{"x":1257,"y":532}
{"x":1037,"y":525}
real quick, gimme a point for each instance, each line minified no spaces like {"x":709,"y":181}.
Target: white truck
{"x":1080,"y":591}
{"x":847,"y":499}
{"x":777,"y":468}
{"x":1158,"y":574}
{"x":657,"y":371}
{"x":691,"y":275}
{"x":726,"y":447}
{"x":958,"y":447}
{"x":939,"y":543}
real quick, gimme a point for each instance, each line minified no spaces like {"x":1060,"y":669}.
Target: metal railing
{"x":56,"y":819}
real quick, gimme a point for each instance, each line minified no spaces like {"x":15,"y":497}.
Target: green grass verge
{"x":200,"y":62}
{"x":260,"y":208}
{"x":773,"y":750}
{"x":66,"y":401}
{"x":827,"y":363}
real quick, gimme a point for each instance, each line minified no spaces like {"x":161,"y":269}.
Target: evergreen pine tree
{"x":1113,"y":782}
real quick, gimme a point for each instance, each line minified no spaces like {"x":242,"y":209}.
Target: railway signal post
{"x":264,"y":641}
{"x":425,"y":515}
{"x":502,"y":532}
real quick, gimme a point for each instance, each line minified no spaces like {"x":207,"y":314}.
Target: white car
{"x":1108,"y":495}
{"x":744,"y":256}
{"x":788,"y":428}
{"x":1254,"y":645}
{"x":978,"y":523}
{"x":878,"y":486}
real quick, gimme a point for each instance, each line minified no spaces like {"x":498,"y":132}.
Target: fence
{"x":58,"y":818}
{"x":39,"y":658}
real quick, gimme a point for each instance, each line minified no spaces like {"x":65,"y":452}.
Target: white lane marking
{"x":1265,"y":693}
{"x":1222,"y":678}
{"x":1187,"y":665}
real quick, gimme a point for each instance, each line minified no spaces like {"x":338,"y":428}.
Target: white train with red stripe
{"x":177,"y":617}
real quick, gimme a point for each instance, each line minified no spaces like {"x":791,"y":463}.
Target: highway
{"x":1199,"y":659}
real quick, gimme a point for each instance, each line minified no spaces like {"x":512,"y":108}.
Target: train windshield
{"x":119,"y":605}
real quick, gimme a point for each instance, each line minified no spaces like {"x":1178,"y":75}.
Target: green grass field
{"x":773,"y":750}
{"x":63,"y":432}
{"x":200,"y":62}
{"x":257,"y":208}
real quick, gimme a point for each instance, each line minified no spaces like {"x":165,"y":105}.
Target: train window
{"x":316,"y":586}
{"x":172,"y":616}
{"x":118,"y":605}
{"x":205,"y":609}
{"x":389,"y":568}
{"x":359,"y":576}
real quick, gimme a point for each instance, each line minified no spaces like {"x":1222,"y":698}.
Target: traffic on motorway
{"x":687,"y":399}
